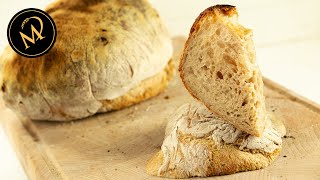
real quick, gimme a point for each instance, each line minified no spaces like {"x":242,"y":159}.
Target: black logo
{"x":31,"y":32}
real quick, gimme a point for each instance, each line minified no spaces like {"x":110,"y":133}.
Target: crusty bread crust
{"x":104,"y":48}
{"x":147,"y":89}
{"x":226,"y":160}
{"x":226,"y":10}
{"x":188,"y":151}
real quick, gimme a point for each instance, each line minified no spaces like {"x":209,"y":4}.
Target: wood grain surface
{"x":118,"y":145}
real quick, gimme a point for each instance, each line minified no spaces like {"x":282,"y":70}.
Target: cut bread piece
{"x":198,"y":144}
{"x":218,"y":67}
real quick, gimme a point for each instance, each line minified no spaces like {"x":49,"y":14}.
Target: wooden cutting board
{"x":118,"y":145}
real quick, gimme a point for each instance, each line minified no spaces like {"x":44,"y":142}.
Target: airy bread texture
{"x":109,"y":54}
{"x":198,"y":144}
{"x":218,"y":67}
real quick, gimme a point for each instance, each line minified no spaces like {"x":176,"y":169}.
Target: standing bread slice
{"x":218,"y":67}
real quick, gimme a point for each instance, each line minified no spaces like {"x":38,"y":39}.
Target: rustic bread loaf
{"x":218,"y":67}
{"x":109,"y":54}
{"x":198,"y":144}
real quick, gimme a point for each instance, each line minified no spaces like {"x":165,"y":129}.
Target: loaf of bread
{"x":109,"y":54}
{"x":199,"y":144}
{"x":218,"y":67}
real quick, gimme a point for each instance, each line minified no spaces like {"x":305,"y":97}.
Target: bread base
{"x":198,"y":144}
{"x":227,"y":159}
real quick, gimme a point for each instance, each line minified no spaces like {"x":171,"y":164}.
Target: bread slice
{"x":218,"y":67}
{"x":198,"y":144}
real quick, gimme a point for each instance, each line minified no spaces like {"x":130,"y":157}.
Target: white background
{"x":286,"y":32}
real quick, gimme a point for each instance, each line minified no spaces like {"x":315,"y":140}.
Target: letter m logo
{"x":32,"y":40}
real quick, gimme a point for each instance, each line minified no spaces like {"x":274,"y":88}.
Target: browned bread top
{"x":225,"y":10}
{"x":103,"y":49}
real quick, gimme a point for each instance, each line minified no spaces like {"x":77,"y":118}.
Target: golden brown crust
{"x":194,"y":150}
{"x":155,"y":163}
{"x":148,"y":88}
{"x":226,"y":10}
{"x":223,"y":160}
{"x":103,"y":49}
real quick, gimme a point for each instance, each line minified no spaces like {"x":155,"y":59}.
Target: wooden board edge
{"x":32,"y":154}
{"x":291,"y":95}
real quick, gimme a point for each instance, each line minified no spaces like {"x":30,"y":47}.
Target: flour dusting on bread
{"x":194,"y":135}
{"x":109,"y":54}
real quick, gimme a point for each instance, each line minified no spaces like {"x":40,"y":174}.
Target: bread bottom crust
{"x":197,"y":144}
{"x":225,"y":160}
{"x":147,"y":89}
